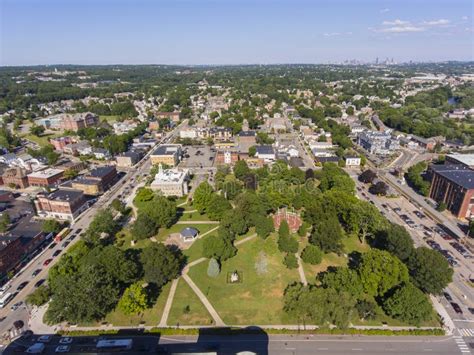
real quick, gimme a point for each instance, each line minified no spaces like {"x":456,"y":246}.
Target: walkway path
{"x":217,"y":319}
{"x":301,"y":271}
{"x":169,"y":302}
{"x":197,"y":222}
{"x":206,"y":233}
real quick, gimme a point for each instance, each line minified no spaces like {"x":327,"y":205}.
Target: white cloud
{"x":334,"y":34}
{"x":383,"y":11}
{"x":440,"y":22}
{"x":402,"y":29}
{"x":396,"y":22}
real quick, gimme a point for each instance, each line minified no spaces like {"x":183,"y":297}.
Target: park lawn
{"x":192,"y":216}
{"x":176,"y":228}
{"x":185,"y":297}
{"x":195,"y":251}
{"x":258,"y":299}
{"x":353,"y":243}
{"x":151,"y":316}
{"x":43,"y":140}
{"x":109,"y":118}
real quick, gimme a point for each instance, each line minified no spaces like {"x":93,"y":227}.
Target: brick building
{"x":60,"y":142}
{"x":97,"y":181}
{"x":61,"y":204}
{"x":15,"y":176}
{"x":453,"y":184}
{"x":45,"y":178}
{"x":77,"y":121}
{"x":169,"y":154}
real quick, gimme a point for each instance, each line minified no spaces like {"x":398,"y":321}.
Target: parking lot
{"x":198,"y":157}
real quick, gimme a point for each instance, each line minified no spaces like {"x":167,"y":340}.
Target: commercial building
{"x":169,"y":154}
{"x":381,"y":143}
{"x":453,"y":184}
{"x":227,"y":157}
{"x":45,"y":178}
{"x":265,"y":152}
{"x":352,"y":161}
{"x":79,"y":120}
{"x":60,"y":142}
{"x":466,"y":160}
{"x":97,"y":181}
{"x":171,"y":182}
{"x":16,"y":177}
{"x":64,"y":204}
{"x":128,"y":159}
{"x":173,"y":116}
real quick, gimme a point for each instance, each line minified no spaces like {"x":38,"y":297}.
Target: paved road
{"x":275,"y":344}
{"x":121,"y":189}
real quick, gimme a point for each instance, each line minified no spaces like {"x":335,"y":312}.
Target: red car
{"x":47,"y":261}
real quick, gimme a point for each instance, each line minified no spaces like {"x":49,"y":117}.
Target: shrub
{"x":290,"y":261}
{"x":213,"y":269}
{"x":312,"y":255}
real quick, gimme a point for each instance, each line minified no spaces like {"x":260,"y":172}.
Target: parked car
{"x":65,"y":340}
{"x":52,"y":245}
{"x":62,"y":349}
{"x":40,"y":282}
{"x":57,"y":252}
{"x":456,"y":307}
{"x":36,"y":272}
{"x":16,"y":306}
{"x":447,"y":296}
{"x":47,"y":261}
{"x":45,"y":338}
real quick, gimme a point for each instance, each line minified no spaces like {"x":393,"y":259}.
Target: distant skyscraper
{"x":377,"y":60}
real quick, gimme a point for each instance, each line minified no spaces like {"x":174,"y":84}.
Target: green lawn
{"x":187,"y":309}
{"x":109,"y":118}
{"x":151,"y":316}
{"x":259,"y":298}
{"x":43,"y":140}
{"x":193,"y":216}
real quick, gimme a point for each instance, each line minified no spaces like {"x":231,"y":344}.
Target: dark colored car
{"x":471,"y":310}
{"x":52,"y":245}
{"x":36,"y":272}
{"x":22,"y":286}
{"x":447,"y":296}
{"x":57,"y":252}
{"x":456,"y":308}
{"x":40,"y":282}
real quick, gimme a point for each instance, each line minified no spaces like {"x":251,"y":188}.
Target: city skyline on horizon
{"x":241,"y":32}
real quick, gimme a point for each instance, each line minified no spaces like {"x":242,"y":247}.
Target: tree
{"x":309,"y":174}
{"x":396,"y":240}
{"x":50,"y":226}
{"x":70,"y":174}
{"x":37,"y":130}
{"x":327,"y":234}
{"x":409,"y":305}
{"x":160,"y":264}
{"x":134,"y":300}
{"x":202,"y":197}
{"x":213,"y":269}
{"x":343,"y":279}
{"x":218,"y":248}
{"x":241,"y":170}
{"x":380,"y":189}
{"x":365,"y":219}
{"x":102,"y":225}
{"x":144,"y":227}
{"x":252,"y":151}
{"x":441,"y":206}
{"x":39,"y":296}
{"x":4,"y":222}
{"x":290,"y":261}
{"x":85,"y":296}
{"x":264,"y":226}
{"x":218,"y":205}
{"x":366,"y":309}
{"x":311,"y":255}
{"x":380,"y":272}
{"x":160,"y":209}
{"x":283,"y":229}
{"x":429,"y":270}
{"x":367,"y":177}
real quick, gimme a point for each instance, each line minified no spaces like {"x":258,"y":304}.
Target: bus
{"x":5,"y":299}
{"x":114,"y":344}
{"x":61,"y":235}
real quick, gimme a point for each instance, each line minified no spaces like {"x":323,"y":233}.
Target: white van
{"x":36,"y":348}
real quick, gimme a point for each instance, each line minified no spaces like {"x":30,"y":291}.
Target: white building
{"x":171,"y":182}
{"x":352,"y":161}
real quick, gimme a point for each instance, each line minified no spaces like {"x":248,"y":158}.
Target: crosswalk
{"x":14,"y":333}
{"x":466,"y":332}
{"x":461,"y":344}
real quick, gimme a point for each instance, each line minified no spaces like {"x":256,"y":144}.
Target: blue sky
{"x":233,"y":31}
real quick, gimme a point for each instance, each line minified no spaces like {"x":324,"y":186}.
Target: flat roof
{"x":44,"y":174}
{"x":64,"y":195}
{"x":167,"y":149}
{"x":102,"y":171}
{"x":457,"y":173}
{"x":466,"y":159}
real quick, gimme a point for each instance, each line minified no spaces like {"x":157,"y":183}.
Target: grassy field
{"x":258,"y":299}
{"x":43,"y":140}
{"x":193,"y":216}
{"x":187,"y":309}
{"x":109,"y":118}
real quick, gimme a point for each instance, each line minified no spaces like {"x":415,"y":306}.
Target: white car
{"x":45,"y":338}
{"x":65,"y":340}
{"x":62,"y":349}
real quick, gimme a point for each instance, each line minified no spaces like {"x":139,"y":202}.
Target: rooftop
{"x":264,"y":149}
{"x":47,"y":173}
{"x":457,"y":173}
{"x":247,"y":134}
{"x":466,"y":159}
{"x":101,"y":171}
{"x":170,"y":176}
{"x":64,"y":195}
{"x":167,"y":149}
